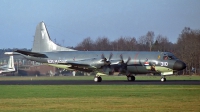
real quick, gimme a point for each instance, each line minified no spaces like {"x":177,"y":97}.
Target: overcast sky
{"x":71,"y":21}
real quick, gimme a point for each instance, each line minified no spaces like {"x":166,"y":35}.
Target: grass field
{"x":99,"y":98}
{"x":138,"y":77}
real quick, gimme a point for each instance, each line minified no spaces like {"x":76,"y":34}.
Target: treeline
{"x":187,"y":47}
{"x":143,"y":43}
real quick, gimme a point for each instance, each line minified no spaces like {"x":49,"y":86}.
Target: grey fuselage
{"x":140,"y":61}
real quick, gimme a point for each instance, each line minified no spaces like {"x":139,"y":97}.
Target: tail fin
{"x":11,"y":65}
{"x":43,"y":43}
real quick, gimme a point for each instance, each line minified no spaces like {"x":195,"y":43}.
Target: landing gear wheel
{"x":163,"y":79}
{"x":131,"y":78}
{"x":97,"y":79}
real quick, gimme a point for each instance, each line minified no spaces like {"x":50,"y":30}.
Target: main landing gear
{"x":131,"y":78}
{"x":99,"y":79}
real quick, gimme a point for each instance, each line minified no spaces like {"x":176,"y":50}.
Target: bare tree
{"x":187,"y":48}
{"x":125,"y":44}
{"x":142,"y":43}
{"x":87,"y":45}
{"x":150,"y":39}
{"x":102,"y":44}
{"x":161,"y":44}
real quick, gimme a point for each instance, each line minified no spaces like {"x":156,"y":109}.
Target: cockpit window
{"x":165,"y":58}
{"x":169,"y":57}
{"x":172,"y":57}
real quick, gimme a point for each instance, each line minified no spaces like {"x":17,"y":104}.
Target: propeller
{"x":123,"y":64}
{"x":106,"y":62}
{"x":122,"y":60}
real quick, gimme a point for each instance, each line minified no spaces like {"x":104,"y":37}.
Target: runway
{"x":104,"y":82}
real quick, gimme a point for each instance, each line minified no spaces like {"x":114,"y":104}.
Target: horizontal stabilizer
{"x":11,"y":53}
{"x":34,"y":54}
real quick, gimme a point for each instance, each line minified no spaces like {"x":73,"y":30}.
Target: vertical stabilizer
{"x":43,"y":43}
{"x":11,"y":65}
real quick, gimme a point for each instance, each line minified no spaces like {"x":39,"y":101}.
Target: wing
{"x":78,"y":64}
{"x":92,"y":65}
{"x":34,"y":54}
{"x":86,"y":63}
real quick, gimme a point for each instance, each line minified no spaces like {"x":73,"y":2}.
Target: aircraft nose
{"x":179,"y":65}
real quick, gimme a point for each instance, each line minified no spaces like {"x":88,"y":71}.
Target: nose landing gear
{"x":97,"y":79}
{"x":163,"y":79}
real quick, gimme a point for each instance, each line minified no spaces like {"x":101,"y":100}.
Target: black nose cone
{"x":179,"y":65}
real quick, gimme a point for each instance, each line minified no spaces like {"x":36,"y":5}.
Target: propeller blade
{"x":122,"y":60}
{"x":141,"y":63}
{"x":106,"y":62}
{"x":129,"y":58}
{"x":121,"y":57}
{"x":104,"y":68}
{"x":102,"y":56}
{"x":110,"y":56}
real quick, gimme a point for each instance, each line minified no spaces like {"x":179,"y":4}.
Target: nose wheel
{"x":163,"y":79}
{"x":97,"y":79}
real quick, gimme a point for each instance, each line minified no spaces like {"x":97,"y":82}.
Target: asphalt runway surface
{"x":104,"y":82}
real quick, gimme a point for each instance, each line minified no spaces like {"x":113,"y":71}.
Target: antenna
{"x":63,"y":42}
{"x":55,"y":40}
